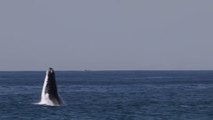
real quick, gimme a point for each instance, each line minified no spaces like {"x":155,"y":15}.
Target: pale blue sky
{"x":106,"y":34}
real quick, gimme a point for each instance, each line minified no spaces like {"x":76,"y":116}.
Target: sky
{"x":106,"y":34}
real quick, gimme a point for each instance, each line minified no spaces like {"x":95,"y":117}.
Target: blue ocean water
{"x":110,"y":95}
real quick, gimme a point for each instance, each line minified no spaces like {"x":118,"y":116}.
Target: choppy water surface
{"x":110,"y":95}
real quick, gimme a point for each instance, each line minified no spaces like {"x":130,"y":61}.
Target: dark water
{"x":110,"y":95}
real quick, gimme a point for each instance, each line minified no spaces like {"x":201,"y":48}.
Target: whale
{"x":49,"y":93}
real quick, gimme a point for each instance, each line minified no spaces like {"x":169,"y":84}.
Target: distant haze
{"x":106,"y":34}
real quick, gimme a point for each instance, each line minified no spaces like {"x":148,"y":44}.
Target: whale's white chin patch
{"x":46,"y":101}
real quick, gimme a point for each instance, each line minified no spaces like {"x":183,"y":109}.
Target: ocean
{"x":110,"y":95}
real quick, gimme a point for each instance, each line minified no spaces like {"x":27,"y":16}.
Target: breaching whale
{"x":49,"y":94}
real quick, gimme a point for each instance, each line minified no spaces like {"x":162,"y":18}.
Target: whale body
{"x":49,"y":94}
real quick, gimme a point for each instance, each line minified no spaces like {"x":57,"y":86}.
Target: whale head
{"x":49,"y":94}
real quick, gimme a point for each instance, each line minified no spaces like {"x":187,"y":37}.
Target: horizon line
{"x":90,"y":70}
